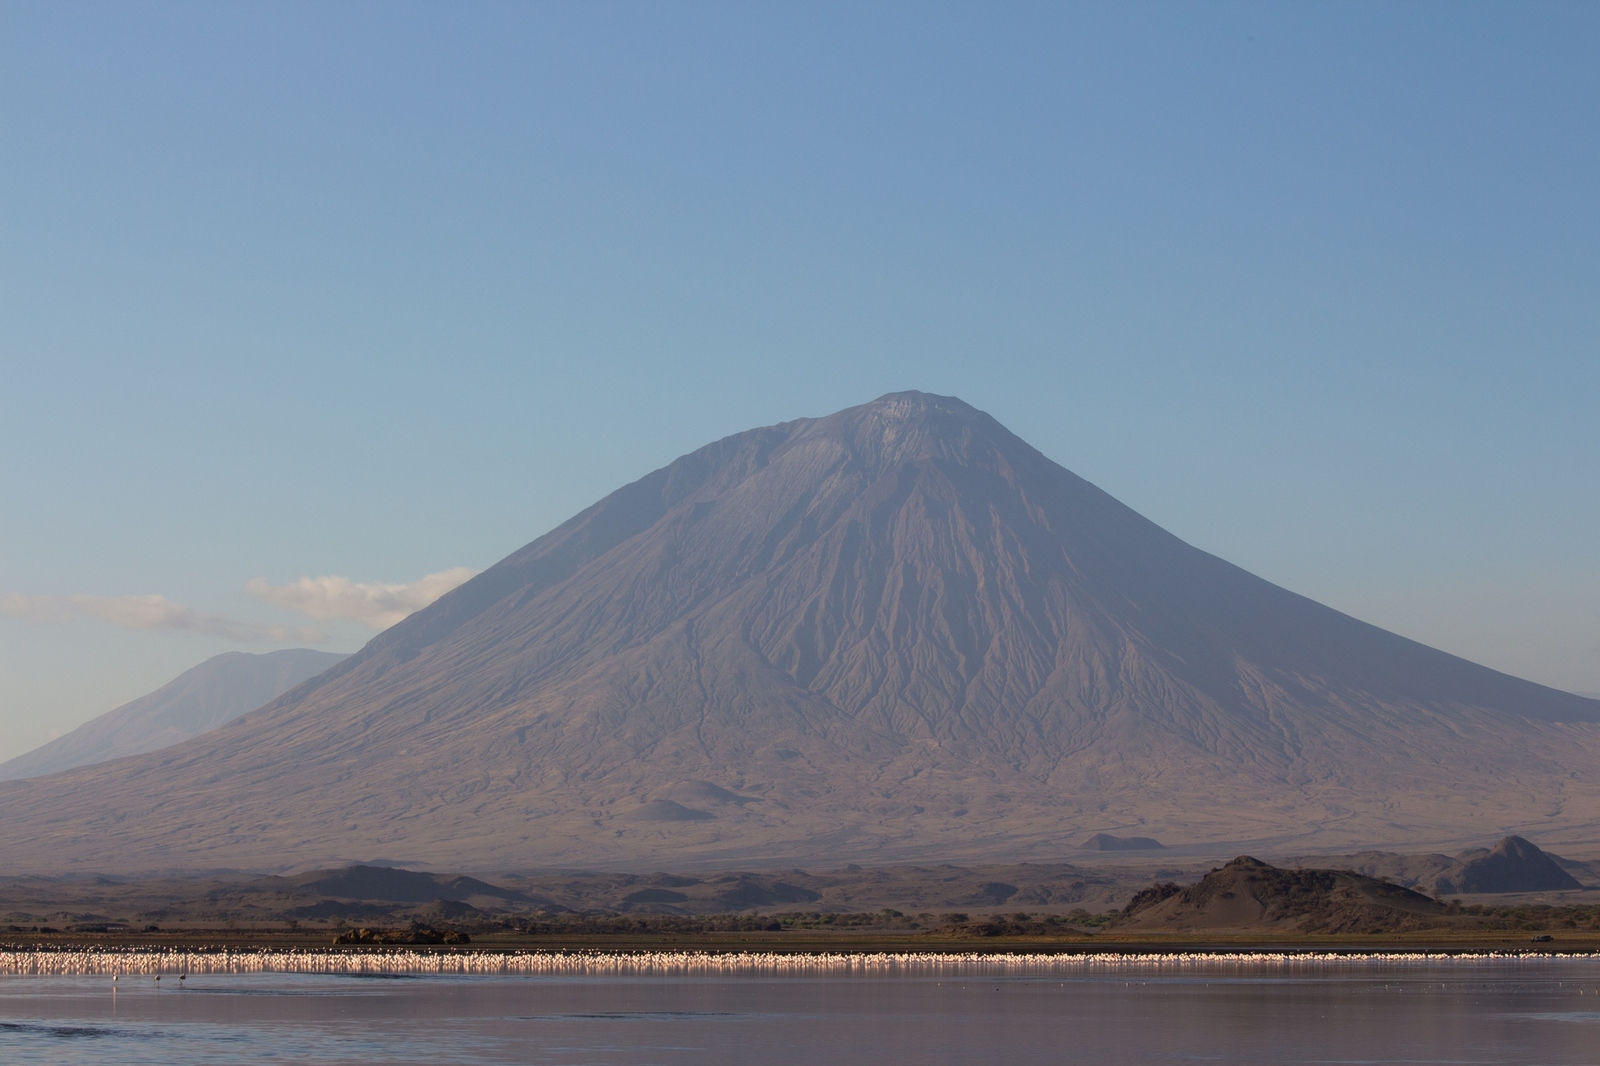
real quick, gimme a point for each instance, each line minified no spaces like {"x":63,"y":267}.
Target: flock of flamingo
{"x":155,"y":963}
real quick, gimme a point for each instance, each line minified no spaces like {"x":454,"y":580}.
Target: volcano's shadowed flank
{"x":896,"y":632}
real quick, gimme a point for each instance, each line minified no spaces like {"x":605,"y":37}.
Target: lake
{"x":1520,"y":1010}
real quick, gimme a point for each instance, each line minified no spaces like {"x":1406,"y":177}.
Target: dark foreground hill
{"x":1249,"y":895}
{"x":897,"y":633}
{"x":196,"y":701}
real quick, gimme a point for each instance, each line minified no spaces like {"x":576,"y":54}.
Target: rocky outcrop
{"x":1250,"y":895}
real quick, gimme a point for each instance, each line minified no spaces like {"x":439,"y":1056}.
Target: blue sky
{"x":374,"y":291}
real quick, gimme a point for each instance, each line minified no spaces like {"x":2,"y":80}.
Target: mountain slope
{"x":897,"y":632}
{"x":196,"y":701}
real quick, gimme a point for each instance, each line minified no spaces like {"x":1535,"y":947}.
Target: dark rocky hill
{"x":1248,"y":894}
{"x":897,"y":633}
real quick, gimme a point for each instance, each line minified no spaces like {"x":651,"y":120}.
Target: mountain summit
{"x":897,"y":632}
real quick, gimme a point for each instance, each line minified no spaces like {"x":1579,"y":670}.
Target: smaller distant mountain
{"x":1512,"y":865}
{"x":1107,"y":842}
{"x":197,"y":701}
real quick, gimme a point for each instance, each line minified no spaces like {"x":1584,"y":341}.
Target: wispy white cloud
{"x":374,"y":605}
{"x":151,"y":612}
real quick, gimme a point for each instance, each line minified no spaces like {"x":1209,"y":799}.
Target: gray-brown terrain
{"x":894,"y":634}
{"x":197,"y":701}
{"x":1326,"y":900}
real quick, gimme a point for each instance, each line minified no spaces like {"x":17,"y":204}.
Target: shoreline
{"x":144,"y":962}
{"x":838,"y":941}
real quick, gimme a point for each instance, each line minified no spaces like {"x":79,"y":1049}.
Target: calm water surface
{"x":1482,"y":1012}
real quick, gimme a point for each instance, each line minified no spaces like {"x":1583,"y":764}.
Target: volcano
{"x":895,"y":633}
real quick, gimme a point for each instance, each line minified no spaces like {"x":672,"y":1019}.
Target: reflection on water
{"x":1466,"y":1012}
